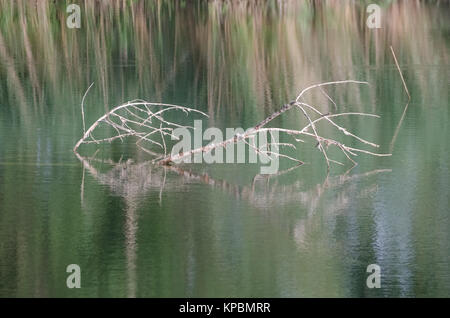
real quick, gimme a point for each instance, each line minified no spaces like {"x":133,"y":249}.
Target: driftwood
{"x":145,"y":121}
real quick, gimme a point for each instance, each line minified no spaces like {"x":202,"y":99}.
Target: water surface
{"x":139,"y":230}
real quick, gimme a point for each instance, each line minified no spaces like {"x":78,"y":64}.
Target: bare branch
{"x":147,"y":121}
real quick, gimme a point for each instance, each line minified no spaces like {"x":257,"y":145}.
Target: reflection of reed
{"x":131,"y":227}
{"x":128,"y":182}
{"x":349,"y":190}
{"x":244,"y":52}
{"x":282,"y":54}
{"x":17,"y":87}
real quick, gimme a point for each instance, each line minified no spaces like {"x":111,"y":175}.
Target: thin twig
{"x":397,"y":129}
{"x":82,"y":107}
{"x":400,"y":72}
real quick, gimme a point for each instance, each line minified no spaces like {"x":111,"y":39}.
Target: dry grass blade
{"x":397,"y":129}
{"x":400,"y":72}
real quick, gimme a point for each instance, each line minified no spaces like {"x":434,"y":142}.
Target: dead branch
{"x":145,"y":120}
{"x":126,"y":122}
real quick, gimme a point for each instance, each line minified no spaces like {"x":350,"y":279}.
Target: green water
{"x":139,"y":230}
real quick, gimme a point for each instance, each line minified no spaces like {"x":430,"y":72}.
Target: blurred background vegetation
{"x":267,"y":50}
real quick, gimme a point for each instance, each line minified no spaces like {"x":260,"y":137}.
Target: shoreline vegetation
{"x":216,"y":40}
